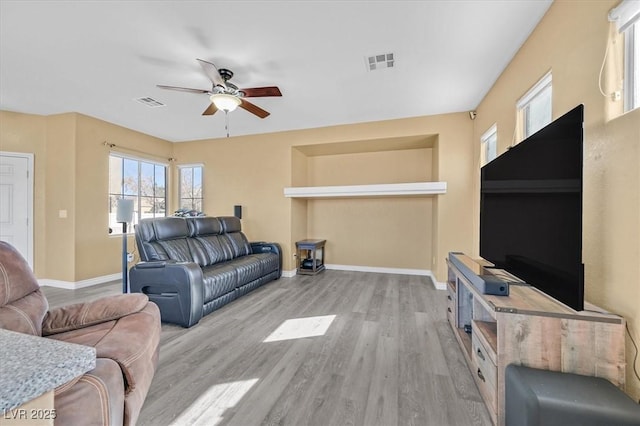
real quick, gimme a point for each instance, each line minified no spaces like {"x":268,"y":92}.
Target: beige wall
{"x":299,"y":211}
{"x":353,"y":227}
{"x":248,"y":171}
{"x":61,"y":177}
{"x":394,"y":166}
{"x":97,"y":253}
{"x":27,"y":133}
{"x":254,"y":170}
{"x":571,"y":41}
{"x":377,"y":232}
{"x":71,"y":173}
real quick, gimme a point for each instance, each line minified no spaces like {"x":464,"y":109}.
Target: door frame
{"x":30,"y":190}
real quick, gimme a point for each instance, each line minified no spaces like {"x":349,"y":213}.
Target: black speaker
{"x":237,"y":211}
{"x":494,"y":285}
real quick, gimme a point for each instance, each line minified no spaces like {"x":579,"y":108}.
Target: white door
{"x":15,"y":202}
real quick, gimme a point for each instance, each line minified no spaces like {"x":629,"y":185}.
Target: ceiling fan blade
{"x":183,"y":89}
{"x":254,"y":109}
{"x":212,"y":73}
{"x":212,"y":109}
{"x":257,"y":92}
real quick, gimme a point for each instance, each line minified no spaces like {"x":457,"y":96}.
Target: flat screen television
{"x":531,"y":210}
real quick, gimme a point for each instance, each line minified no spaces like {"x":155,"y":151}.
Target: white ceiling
{"x":96,"y":57}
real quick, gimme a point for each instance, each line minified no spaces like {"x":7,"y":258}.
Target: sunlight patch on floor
{"x":299,"y":328}
{"x":209,"y":408}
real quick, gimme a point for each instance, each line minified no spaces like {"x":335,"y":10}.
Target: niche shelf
{"x":375,"y":190}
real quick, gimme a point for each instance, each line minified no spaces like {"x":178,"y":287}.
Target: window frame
{"x":488,"y":137}
{"x":182,"y":167}
{"x":546,"y":82}
{"x":632,"y":67}
{"x":114,"y":227}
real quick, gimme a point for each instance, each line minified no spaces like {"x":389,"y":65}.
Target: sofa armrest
{"x":82,"y":315}
{"x":266,"y":247}
{"x":176,"y":287}
{"x":155,"y":264}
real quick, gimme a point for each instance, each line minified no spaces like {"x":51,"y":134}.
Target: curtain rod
{"x":113,"y":145}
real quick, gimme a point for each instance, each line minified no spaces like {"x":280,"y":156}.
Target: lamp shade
{"x":124,"y":210}
{"x":225,"y":102}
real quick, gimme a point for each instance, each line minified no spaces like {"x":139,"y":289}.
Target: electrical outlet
{"x":129,"y":257}
{"x":616,"y":96}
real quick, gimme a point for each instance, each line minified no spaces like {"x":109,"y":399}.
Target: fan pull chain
{"x":226,"y":122}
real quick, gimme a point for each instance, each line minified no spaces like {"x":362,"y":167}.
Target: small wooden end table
{"x":310,"y":256}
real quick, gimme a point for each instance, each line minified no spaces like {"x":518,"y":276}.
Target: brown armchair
{"x":124,"y":330}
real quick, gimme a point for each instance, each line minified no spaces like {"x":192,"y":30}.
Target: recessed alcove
{"x":374,"y":201}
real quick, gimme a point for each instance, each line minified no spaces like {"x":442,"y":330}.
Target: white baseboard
{"x":437,"y":284}
{"x":70,"y":285}
{"x":383,"y":270}
{"x":289,"y":274}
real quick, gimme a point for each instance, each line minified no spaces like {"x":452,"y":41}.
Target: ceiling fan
{"x":225,"y":95}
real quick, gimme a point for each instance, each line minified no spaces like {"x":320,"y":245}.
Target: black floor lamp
{"x":124,"y":215}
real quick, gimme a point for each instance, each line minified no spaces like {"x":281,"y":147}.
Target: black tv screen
{"x":531,"y":210}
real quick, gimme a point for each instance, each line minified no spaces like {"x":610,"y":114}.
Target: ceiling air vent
{"x":150,"y":102}
{"x":378,"y":62}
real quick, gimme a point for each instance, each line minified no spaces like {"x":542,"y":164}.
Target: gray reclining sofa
{"x":192,"y":266}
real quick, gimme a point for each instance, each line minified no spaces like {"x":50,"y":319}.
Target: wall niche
{"x":372,"y":200}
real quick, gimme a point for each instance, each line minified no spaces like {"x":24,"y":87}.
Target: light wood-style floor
{"x":388,"y":357}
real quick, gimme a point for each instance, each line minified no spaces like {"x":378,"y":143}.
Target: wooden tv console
{"x":528,"y":328}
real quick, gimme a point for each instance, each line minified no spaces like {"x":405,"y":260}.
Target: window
{"x":626,"y":15}
{"x":632,"y":67}
{"x":191,"y":187}
{"x":142,"y":181}
{"x":534,"y":108}
{"x":489,"y":145}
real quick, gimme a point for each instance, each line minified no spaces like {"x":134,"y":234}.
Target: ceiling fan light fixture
{"x":225,"y":102}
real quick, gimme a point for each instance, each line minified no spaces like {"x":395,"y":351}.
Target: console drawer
{"x":485,"y":373}
{"x":451,"y":306}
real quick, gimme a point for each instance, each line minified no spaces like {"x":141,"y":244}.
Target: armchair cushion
{"x":82,"y":315}
{"x":123,"y":329}
{"x":16,"y":278}
{"x":22,"y":304}
{"x":25,"y":315}
{"x":132,"y":342}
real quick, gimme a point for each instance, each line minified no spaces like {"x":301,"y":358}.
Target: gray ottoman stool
{"x":539,"y":397}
